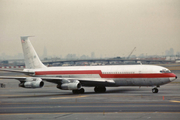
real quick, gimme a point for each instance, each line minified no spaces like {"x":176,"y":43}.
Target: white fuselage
{"x":119,"y":75}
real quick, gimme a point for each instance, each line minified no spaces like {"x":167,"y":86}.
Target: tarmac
{"x":117,"y":103}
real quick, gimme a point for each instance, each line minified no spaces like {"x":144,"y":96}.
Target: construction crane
{"x":131,"y":53}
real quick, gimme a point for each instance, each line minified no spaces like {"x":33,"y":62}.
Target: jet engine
{"x":69,"y":86}
{"x":32,"y":83}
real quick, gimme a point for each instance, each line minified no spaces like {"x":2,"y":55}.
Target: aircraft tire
{"x":155,"y":90}
{"x":100,"y":89}
{"x":80,"y":91}
{"x":75,"y":91}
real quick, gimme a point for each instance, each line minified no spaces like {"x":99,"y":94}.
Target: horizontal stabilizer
{"x":17,"y":78}
{"x":17,"y":71}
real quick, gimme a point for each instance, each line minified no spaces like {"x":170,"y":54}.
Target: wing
{"x":83,"y":81}
{"x":56,"y":80}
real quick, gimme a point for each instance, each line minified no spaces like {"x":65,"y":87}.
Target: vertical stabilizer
{"x":31,"y":58}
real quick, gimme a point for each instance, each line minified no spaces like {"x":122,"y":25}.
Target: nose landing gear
{"x":155,"y":90}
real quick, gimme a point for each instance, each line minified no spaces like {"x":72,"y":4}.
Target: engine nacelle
{"x":69,"y":86}
{"x":32,"y":83}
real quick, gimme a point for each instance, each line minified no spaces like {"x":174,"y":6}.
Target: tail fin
{"x":31,"y":58}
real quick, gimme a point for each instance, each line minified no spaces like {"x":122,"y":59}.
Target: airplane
{"x":75,"y":77}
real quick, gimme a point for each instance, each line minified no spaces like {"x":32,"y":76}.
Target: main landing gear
{"x":80,"y":91}
{"x":100,"y":89}
{"x":97,"y":89}
{"x":155,"y":90}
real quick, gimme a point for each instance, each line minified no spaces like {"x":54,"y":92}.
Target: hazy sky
{"x":107,"y":27}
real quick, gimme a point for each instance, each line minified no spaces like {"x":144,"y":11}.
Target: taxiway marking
{"x":69,"y":97}
{"x":90,"y":106}
{"x":87,"y":113}
{"x":175,"y":101}
{"x":120,"y":102}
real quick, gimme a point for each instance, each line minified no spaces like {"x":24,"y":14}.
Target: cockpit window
{"x":165,"y":71}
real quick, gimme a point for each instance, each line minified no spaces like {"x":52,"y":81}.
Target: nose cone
{"x":173,"y":78}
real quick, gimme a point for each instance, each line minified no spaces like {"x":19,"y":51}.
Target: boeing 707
{"x":75,"y":77}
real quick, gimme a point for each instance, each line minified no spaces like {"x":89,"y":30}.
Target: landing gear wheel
{"x":75,"y":91}
{"x":80,"y":91}
{"x":100,"y":89}
{"x":155,"y":90}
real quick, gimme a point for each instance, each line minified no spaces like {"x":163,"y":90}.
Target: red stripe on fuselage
{"x":68,"y":72}
{"x":143,"y":75}
{"x":79,"y":72}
